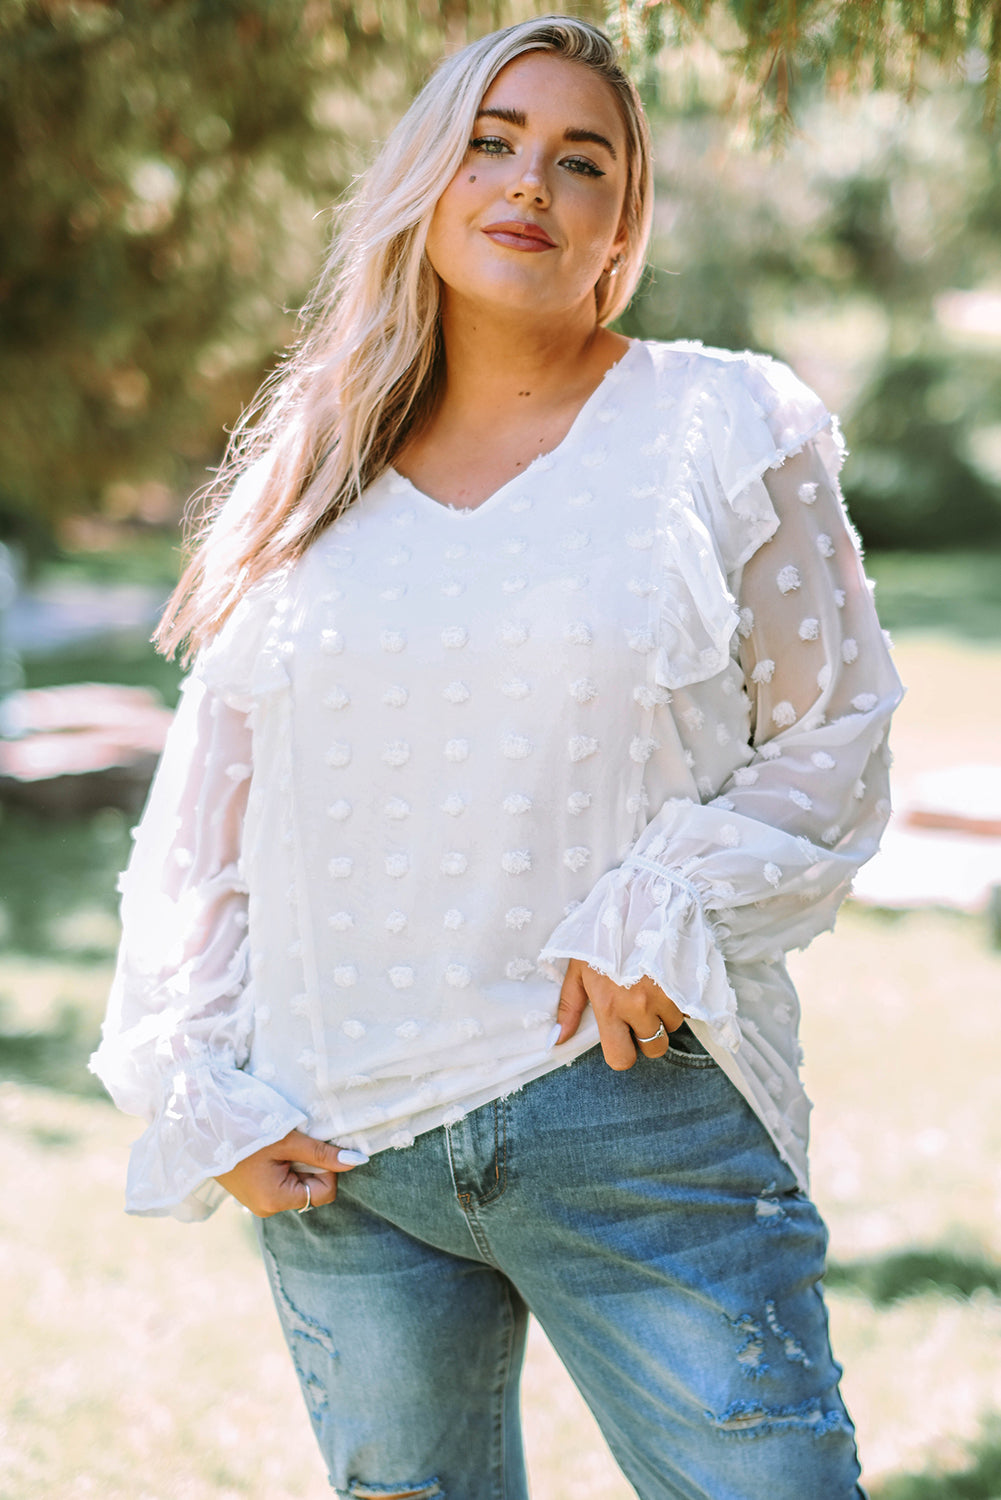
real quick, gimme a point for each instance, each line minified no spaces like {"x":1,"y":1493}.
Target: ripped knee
{"x":428,"y":1489}
{"x":755,"y":1420}
{"x":751,"y":1350}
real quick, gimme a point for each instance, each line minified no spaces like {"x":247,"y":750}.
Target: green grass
{"x":150,"y":557}
{"x":57,"y":883}
{"x":59,"y":928}
{"x":956,"y":593}
{"x":129,"y":660}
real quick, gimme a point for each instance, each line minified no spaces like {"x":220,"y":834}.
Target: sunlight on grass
{"x":920,"y":1378}
{"x":900,"y":1016}
{"x":87,"y":930}
{"x":906,"y":1141}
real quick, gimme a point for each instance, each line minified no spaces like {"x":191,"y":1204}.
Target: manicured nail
{"x":351,"y":1158}
{"x":553,"y":1037}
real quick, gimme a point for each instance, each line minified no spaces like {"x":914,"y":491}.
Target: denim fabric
{"x":646,"y":1220}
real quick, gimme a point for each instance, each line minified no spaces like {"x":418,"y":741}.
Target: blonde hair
{"x":366,"y":373}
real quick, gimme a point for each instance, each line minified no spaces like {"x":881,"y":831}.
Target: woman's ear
{"x":612,"y":265}
{"x":617,"y":250}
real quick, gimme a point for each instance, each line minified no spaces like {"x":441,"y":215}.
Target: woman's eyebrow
{"x":519,"y":118}
{"x":593,"y":136}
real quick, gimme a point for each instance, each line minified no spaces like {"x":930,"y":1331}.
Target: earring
{"x":613,"y":269}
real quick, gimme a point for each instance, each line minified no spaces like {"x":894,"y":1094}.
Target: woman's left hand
{"x":623,"y":1015}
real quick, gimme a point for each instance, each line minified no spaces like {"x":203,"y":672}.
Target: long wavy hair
{"x":366,"y":373}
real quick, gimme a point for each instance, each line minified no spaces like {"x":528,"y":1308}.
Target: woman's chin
{"x":517,"y":296}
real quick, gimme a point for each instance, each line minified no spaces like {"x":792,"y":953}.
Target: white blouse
{"x":631,"y":709}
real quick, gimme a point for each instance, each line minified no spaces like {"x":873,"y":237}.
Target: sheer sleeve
{"x":764,"y":865}
{"x":179,"y":1021}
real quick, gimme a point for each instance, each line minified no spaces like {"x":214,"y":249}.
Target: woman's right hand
{"x":274,"y":1178}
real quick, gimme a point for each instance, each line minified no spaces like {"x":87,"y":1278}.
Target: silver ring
{"x":309,"y":1198}
{"x":661,"y":1031}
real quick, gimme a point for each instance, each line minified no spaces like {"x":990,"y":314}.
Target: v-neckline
{"x":551,"y":456}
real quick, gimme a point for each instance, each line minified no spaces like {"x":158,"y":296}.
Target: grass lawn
{"x":142,"y":1360}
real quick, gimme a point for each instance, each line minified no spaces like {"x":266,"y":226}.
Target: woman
{"x":538,"y":709}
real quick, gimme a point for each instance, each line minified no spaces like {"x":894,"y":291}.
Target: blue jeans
{"x":646,"y":1220}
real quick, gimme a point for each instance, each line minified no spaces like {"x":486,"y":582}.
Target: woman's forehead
{"x":540,"y":84}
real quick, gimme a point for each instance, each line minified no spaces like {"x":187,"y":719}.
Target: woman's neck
{"x":509,"y":395}
{"x":505,"y":367}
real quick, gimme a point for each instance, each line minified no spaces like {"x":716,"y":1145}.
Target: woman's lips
{"x":517,"y":235}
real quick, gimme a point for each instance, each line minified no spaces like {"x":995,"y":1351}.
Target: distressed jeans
{"x":646,"y":1220}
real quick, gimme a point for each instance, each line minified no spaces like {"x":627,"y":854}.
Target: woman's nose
{"x":529,"y":184}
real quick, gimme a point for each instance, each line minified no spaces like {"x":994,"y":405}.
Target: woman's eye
{"x":583,"y":167}
{"x":495,"y":145}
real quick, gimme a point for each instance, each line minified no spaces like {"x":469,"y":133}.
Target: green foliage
{"x":910,"y":481}
{"x":172,"y":164}
{"x":769,"y":46}
{"x":168,"y":162}
{"x":132,"y":145}
{"x":885,"y":1279}
{"x":867,"y":255}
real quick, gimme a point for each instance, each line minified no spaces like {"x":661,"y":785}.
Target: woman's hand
{"x":274,"y":1178}
{"x":623,"y":1015}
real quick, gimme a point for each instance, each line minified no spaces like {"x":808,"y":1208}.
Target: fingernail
{"x":352,"y":1158}
{"x":553,"y":1037}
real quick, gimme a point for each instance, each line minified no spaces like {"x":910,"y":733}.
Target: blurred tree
{"x":869,"y":255}
{"x":767,"y":45}
{"x":911,"y":482}
{"x":169,"y":161}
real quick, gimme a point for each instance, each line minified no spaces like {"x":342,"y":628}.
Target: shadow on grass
{"x":885,"y":1279}
{"x":981,"y":1480}
{"x":55,"y":1058}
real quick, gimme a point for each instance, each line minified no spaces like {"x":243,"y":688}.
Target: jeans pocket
{"x":686,"y":1050}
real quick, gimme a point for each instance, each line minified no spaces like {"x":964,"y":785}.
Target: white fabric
{"x":631,"y":709}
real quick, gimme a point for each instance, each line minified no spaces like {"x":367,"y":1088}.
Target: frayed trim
{"x":748,"y":1419}
{"x":778,"y":456}
{"x":428,"y":1489}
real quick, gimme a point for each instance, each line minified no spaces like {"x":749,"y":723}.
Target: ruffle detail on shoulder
{"x":245,"y":660}
{"x":754,"y":414}
{"x":639,"y":920}
{"x":743,"y":414}
{"x":698,"y":615}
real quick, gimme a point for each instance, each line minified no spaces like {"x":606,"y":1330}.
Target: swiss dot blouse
{"x":630,"y":709}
